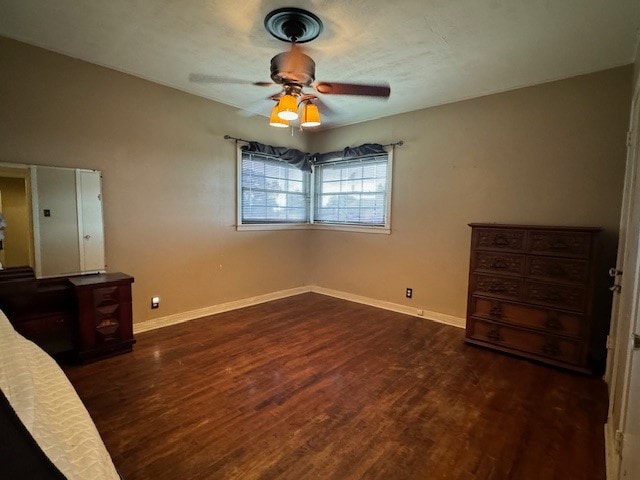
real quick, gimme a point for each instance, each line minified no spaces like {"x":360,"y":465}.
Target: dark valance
{"x":367,"y":149}
{"x":298,"y":159}
{"x":304,"y":160}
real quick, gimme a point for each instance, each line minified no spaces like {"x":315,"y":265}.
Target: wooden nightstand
{"x":104,"y":314}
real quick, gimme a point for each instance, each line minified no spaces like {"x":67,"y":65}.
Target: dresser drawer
{"x":45,"y":325}
{"x":561,"y":296}
{"x":504,"y":239}
{"x":498,"y":286}
{"x":520,"y":340}
{"x":553,"y":269}
{"x":499,"y":262}
{"x":53,"y":333}
{"x":564,"y":244}
{"x":550,"y":321}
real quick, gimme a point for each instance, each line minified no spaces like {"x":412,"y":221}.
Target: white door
{"x":625,"y":372}
{"x":630,"y":459}
{"x":91,"y":230}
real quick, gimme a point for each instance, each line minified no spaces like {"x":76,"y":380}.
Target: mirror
{"x":54,"y":220}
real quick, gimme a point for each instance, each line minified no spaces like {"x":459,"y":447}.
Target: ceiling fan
{"x":295,"y":71}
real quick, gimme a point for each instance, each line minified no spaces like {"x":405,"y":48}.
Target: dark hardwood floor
{"x":316,"y":387}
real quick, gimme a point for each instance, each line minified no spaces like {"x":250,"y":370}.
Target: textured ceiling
{"x":430,"y":51}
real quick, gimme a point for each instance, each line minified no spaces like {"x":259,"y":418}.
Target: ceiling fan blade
{"x":204,"y":78}
{"x":324,"y":108}
{"x":332,"y":88}
{"x":262,"y":106}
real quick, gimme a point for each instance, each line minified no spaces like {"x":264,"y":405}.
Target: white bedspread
{"x":48,"y":405}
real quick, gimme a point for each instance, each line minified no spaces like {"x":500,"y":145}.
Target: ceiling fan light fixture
{"x":310,"y":115}
{"x":288,"y":107}
{"x":275,"y":120}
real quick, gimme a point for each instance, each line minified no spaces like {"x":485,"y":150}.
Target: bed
{"x":45,"y":430}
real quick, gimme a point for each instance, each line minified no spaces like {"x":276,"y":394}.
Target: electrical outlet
{"x":155,"y":302}
{"x":409,"y":293}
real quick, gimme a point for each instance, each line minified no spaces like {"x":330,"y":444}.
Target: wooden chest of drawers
{"x":531,"y":291}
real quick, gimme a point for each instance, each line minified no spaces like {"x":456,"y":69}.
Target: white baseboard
{"x":394,"y":307}
{"x":612,"y":460}
{"x":247,"y":302}
{"x":212,"y":310}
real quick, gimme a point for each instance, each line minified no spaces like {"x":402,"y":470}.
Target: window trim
{"x":311,"y":225}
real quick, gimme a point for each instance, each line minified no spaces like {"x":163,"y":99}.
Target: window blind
{"x":352,"y":192}
{"x":273,"y":191}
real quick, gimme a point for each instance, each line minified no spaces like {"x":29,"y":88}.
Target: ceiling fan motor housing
{"x":304,"y":74}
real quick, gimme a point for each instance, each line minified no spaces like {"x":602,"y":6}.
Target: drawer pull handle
{"x":558,"y":244}
{"x":556,"y":270}
{"x":553,"y":296}
{"x":498,"y":264}
{"x":494,"y":335}
{"x":500,"y":241}
{"x":496,"y":310}
{"x":551,"y":348}
{"x":497,"y":288}
{"x":553,"y":323}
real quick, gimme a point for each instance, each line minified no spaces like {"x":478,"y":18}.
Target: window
{"x":272,"y":191}
{"x":353,"y":194}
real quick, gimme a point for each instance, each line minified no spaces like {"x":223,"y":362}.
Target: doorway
{"x":15,"y":207}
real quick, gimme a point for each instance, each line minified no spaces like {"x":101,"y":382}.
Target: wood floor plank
{"x":315,"y":387}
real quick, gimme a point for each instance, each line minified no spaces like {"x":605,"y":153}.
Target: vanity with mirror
{"x":53,"y":282}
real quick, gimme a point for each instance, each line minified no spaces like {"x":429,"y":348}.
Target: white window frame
{"x":383,"y":229}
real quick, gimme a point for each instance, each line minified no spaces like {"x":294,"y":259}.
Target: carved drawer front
{"x":564,"y":296}
{"x":494,"y":285}
{"x":107,"y":312}
{"x":562,"y":270}
{"x":507,"y":263}
{"x":106,"y":296}
{"x":565,"y":244}
{"x":500,"y":239}
{"x":538,"y":344}
{"x":543,"y":319}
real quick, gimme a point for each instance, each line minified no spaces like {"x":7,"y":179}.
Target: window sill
{"x":253,"y":227}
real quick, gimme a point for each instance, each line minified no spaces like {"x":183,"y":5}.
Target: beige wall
{"x":549,"y":154}
{"x":169,"y":177}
